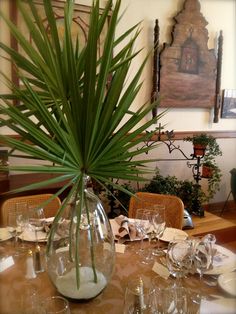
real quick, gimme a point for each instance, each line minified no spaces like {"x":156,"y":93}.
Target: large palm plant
{"x":72,"y":102}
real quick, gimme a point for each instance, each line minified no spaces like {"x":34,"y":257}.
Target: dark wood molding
{"x":177,"y":135}
{"x":216,"y":134}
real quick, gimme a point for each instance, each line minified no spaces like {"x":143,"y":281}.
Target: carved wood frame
{"x":181,"y":87}
{"x":81,"y":18}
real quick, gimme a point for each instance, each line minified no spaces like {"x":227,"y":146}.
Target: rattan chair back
{"x":174,"y":207}
{"x":32,"y":201}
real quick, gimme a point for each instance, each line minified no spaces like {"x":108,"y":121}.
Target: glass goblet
{"x":37,"y":223}
{"x":202,"y":256}
{"x":36,"y":220}
{"x":22,"y":220}
{"x":56,"y":305}
{"x":139,"y":297}
{"x":143,"y":224}
{"x":159,"y":226}
{"x":12,"y":225}
{"x":179,"y":258}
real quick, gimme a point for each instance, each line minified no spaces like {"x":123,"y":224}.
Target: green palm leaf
{"x":68,"y":114}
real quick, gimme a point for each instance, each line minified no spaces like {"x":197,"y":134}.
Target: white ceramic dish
{"x":4,"y":234}
{"x":223,"y":262}
{"x":30,"y":236}
{"x":172,"y":233}
{"x":227,"y":282}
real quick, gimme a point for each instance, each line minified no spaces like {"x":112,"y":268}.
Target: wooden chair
{"x":32,"y":200}
{"x":174,"y":207}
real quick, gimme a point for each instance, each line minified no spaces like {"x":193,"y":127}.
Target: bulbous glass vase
{"x":81,"y":251}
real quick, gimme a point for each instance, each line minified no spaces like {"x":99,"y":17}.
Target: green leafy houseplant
{"x":211,"y":150}
{"x":71,"y":106}
{"x":200,"y":139}
{"x":185,"y":189}
{"x":201,"y":142}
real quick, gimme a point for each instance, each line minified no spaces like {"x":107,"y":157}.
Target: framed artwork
{"x":80,"y":24}
{"x":229,"y":104}
{"x":187,"y":69}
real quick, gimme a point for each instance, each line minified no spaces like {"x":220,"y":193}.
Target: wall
{"x":221,"y":15}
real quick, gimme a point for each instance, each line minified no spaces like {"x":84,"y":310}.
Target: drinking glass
{"x":37,"y":223}
{"x":22,"y":220}
{"x":36,"y":220}
{"x":159,"y":226}
{"x":139,"y":297}
{"x":202,"y":256}
{"x":143,"y":224}
{"x":12,"y":225}
{"x":31,"y":301}
{"x":175,"y":300}
{"x":179,"y":258}
{"x":56,"y":305}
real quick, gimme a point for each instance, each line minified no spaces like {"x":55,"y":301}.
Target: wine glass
{"x":159,"y":226}
{"x":202,"y":256}
{"x":142,"y":224}
{"x":179,"y":258}
{"x":22,"y":220}
{"x":37,"y":220}
{"x":56,"y":305}
{"x":37,"y":223}
{"x":139,"y":297}
{"x":175,"y":300}
{"x":12,"y":225}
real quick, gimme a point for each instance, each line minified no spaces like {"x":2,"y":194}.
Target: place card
{"x":161,"y":270}
{"x":120,"y":248}
{"x":5,"y":263}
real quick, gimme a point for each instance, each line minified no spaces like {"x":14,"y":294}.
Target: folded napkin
{"x":126,"y":229}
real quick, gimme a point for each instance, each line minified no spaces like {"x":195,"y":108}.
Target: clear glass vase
{"x":81,"y":251}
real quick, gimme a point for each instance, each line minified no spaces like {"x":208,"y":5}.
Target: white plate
{"x":227,"y":282}
{"x":172,"y":233}
{"x":223,"y":262}
{"x":4,"y":234}
{"x":29,"y":236}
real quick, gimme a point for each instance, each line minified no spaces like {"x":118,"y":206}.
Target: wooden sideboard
{"x":19,"y":180}
{"x":223,"y":229}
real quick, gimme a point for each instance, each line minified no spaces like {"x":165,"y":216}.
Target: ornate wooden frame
{"x":80,"y":20}
{"x":187,"y":73}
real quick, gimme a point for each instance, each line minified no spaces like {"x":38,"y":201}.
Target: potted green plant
{"x":71,"y":105}
{"x":200,"y":142}
{"x":210,"y":169}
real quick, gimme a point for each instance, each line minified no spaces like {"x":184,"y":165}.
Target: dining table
{"x":16,"y":287}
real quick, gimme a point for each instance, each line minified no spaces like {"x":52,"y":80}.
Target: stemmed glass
{"x":37,"y":220}
{"x":179,"y":258}
{"x":37,"y":223}
{"x":55,"y":305}
{"x":159,"y":226}
{"x":202,"y":255}
{"x":22,"y":220}
{"x":139,"y":297}
{"x":143,"y":224}
{"x":12,"y":225}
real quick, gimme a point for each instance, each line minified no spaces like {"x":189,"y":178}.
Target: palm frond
{"x":73,"y":101}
